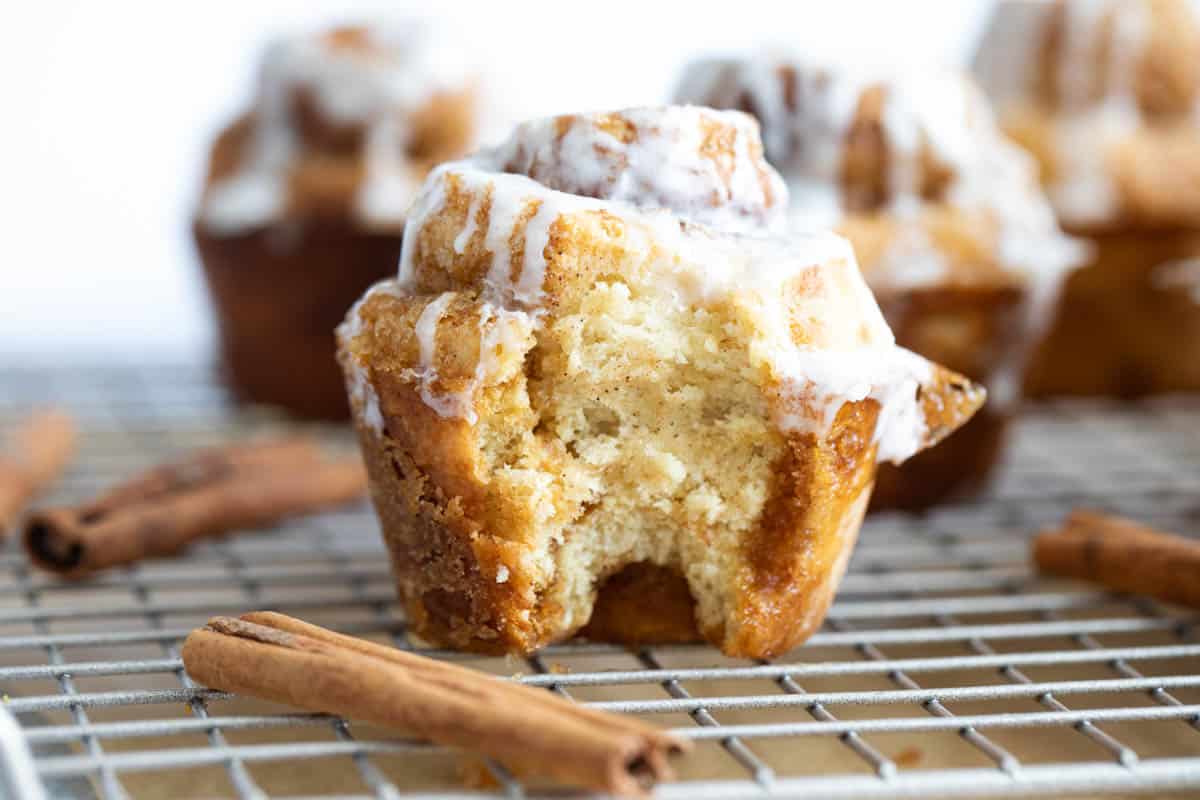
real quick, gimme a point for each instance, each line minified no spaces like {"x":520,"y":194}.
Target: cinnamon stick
{"x":454,"y":676}
{"x":208,"y":494}
{"x":1122,"y":555}
{"x":40,"y":449}
{"x":206,"y":466}
{"x":530,"y":731}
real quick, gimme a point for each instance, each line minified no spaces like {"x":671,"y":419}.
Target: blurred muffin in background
{"x":949,"y":224}
{"x":304,"y":204}
{"x":1106,"y":95}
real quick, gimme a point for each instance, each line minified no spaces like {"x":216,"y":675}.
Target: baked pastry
{"x":946,"y":217}
{"x":599,"y":372}
{"x":304,"y":203}
{"x":1106,"y":95}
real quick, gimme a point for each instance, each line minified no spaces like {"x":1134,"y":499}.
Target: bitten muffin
{"x":600,"y":374}
{"x":946,"y":217}
{"x":1106,"y":95}
{"x":304,"y":203}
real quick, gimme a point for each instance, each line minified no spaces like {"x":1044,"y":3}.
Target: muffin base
{"x":979,"y":332}
{"x":1120,"y":330}
{"x":278,"y":293}
{"x":451,"y":599}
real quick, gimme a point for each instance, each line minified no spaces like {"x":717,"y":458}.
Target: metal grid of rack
{"x":946,"y":667}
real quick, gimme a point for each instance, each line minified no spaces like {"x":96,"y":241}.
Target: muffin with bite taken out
{"x":608,"y":374}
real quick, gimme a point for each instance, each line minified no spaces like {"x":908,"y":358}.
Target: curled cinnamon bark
{"x":40,"y":449}
{"x":208,"y":494}
{"x":532,"y":732}
{"x":1122,"y":555}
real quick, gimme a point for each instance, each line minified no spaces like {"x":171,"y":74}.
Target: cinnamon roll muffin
{"x":1106,"y":95}
{"x":947,"y":220}
{"x":304,"y":203}
{"x":605,"y":374}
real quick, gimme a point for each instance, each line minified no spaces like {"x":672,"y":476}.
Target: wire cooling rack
{"x":946,"y":667}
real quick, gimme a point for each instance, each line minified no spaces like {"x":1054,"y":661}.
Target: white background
{"x":109,"y":108}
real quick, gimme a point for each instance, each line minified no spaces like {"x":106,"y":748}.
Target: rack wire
{"x":946,"y":667}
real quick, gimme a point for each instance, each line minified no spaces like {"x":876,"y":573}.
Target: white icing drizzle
{"x":662,"y":165}
{"x":936,"y":111}
{"x":826,"y":379}
{"x":510,"y":197}
{"x":815,"y":382}
{"x":362,"y":391}
{"x":464,"y":236}
{"x":1095,"y":110}
{"x":376,"y":85}
{"x":853,"y":355}
{"x":448,"y":404}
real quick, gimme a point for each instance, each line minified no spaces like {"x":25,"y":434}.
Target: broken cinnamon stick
{"x":530,"y":731}
{"x":40,"y":449}
{"x":208,"y":494}
{"x":1122,"y":555}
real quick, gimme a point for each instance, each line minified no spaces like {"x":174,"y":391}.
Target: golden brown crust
{"x":448,"y":528}
{"x":799,"y":551}
{"x":444,"y":561}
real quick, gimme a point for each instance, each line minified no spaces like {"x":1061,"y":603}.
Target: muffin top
{"x":910,"y":167}
{"x":705,"y":166}
{"x":688,"y":185}
{"x":344,"y":123}
{"x":1105,"y":93}
{"x":677,"y":206}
